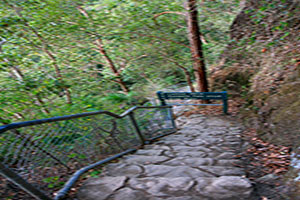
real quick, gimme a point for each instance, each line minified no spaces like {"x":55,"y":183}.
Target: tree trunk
{"x":58,"y":74}
{"x":189,"y":80}
{"x":103,"y":52}
{"x":196,"y":46}
{"x":112,"y":66}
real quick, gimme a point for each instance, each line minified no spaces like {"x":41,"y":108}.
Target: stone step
{"x":154,"y":171}
{"x":181,"y":158}
{"x":175,"y":169}
{"x":144,"y":159}
{"x":149,"y":152}
{"x":156,"y":188}
{"x":197,"y":163}
{"x":217,"y":153}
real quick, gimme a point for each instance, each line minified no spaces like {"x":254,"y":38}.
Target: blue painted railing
{"x":39,"y":155}
{"x":165,"y":96}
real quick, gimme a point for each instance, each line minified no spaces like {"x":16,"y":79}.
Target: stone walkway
{"x":196,"y":163}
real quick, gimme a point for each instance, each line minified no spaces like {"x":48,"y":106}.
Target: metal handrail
{"x":11,"y":126}
{"x":164,"y":96}
{"x":22,"y":183}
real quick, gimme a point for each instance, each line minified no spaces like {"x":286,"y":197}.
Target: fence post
{"x":136,"y":126}
{"x":161,"y":99}
{"x":170,"y":112}
{"x":225,"y":103}
{"x":21,"y":183}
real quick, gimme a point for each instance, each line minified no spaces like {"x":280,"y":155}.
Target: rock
{"x":232,"y":162}
{"x":190,"y":131}
{"x":139,"y":159}
{"x":176,"y":171}
{"x":187,"y":148}
{"x":214,"y":121}
{"x":196,"y":163}
{"x":149,"y":152}
{"x":162,"y":186}
{"x":179,"y":110}
{"x":129,"y":194}
{"x":101,"y":188}
{"x":156,"y":147}
{"x":223,"y":170}
{"x":197,"y":154}
{"x":226,"y":155}
{"x":123,"y":170}
{"x":217,"y":132}
{"x":197,"y":197}
{"x":197,"y":143}
{"x":269,"y":178}
{"x":212,"y":140}
{"x":170,"y":142}
{"x":178,"y":138}
{"x":226,"y":187}
{"x":192,"y":162}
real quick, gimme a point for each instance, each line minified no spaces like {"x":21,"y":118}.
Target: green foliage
{"x":95,"y":173}
{"x":48,"y":47}
{"x":53,"y":181}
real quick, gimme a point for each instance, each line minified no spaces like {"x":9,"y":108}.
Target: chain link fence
{"x":47,"y":152}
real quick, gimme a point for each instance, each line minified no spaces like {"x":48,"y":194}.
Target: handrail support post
{"x":161,"y":99}
{"x":171,"y":115}
{"x":136,"y":126}
{"x":225,"y":103}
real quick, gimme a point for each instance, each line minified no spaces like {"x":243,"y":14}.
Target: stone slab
{"x":100,"y":188}
{"x":144,"y":160}
{"x":162,"y":186}
{"x":192,"y":162}
{"x":225,"y":187}
{"x":149,"y":152}
{"x":187,"y":148}
{"x":118,"y":169}
{"x":129,"y":194}
{"x":174,"y":171}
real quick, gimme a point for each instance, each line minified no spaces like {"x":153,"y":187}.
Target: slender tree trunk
{"x":103,"y":52}
{"x":196,"y":46}
{"x":45,"y":46}
{"x":189,"y":80}
{"x":58,"y":73}
{"x":112,"y":66}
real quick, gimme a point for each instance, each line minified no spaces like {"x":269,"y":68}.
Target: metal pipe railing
{"x":62,"y":118}
{"x":54,"y":139}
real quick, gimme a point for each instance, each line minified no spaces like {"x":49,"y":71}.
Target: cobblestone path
{"x":196,"y":163}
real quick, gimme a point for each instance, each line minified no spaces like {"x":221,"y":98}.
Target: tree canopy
{"x":65,"y":56}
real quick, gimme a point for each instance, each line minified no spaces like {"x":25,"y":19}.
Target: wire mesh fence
{"x":154,"y":122}
{"x":47,"y":154}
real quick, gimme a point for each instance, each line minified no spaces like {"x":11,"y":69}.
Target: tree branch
{"x":169,"y":12}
